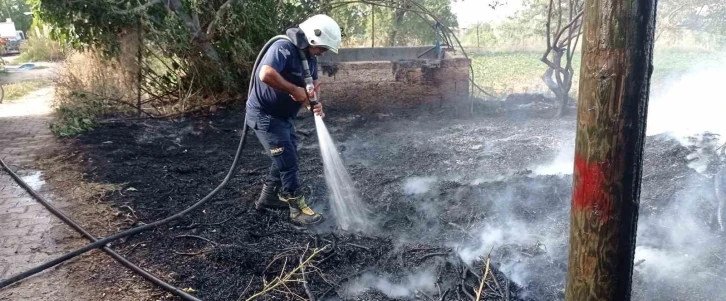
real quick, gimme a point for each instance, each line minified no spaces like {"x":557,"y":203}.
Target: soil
{"x":444,"y":191}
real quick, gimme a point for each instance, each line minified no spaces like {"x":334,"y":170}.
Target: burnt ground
{"x":443,"y":190}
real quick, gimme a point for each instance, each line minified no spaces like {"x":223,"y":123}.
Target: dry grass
{"x":84,"y":197}
{"x":86,"y":77}
{"x":20,"y":89}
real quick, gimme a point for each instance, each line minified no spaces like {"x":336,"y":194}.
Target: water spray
{"x":345,"y":203}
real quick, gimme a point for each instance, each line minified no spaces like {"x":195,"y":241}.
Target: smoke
{"x":562,"y":164}
{"x":690,"y":105}
{"x":418,"y":185}
{"x":404,"y":288}
{"x":525,"y":232}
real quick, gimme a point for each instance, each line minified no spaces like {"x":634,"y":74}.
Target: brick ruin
{"x":384,"y":78}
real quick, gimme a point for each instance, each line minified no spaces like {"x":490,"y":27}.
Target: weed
{"x":76,"y":117}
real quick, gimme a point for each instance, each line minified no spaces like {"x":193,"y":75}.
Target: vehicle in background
{"x":10,"y":37}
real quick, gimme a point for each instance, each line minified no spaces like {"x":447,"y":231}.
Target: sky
{"x":472,"y":11}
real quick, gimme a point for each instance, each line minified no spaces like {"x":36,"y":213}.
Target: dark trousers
{"x":277,"y":136}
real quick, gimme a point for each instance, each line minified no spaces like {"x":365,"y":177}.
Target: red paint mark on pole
{"x":588,"y":193}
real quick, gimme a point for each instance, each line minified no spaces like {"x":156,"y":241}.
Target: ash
{"x":444,"y":190}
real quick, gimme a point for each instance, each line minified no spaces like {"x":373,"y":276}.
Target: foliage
{"x":480,"y":35}
{"x":74,"y":118}
{"x":15,"y":10}
{"x":528,"y":21}
{"x":692,"y":23}
{"x":700,"y":15}
{"x":413,"y":28}
{"x":40,"y":49}
{"x":214,"y":38}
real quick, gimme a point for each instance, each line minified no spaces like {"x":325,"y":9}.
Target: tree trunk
{"x":613,"y":101}
{"x":192,"y":24}
{"x":397,"y":20}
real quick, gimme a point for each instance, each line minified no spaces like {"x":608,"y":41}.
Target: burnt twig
{"x":359,"y":246}
{"x":198,"y":237}
{"x":506,"y":292}
{"x":434,"y":254}
{"x":305,"y":281}
{"x":443,"y":296}
{"x":195,"y":225}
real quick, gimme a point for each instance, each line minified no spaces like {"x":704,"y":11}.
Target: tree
{"x":704,"y":18}
{"x":397,"y":22}
{"x":214,"y":40}
{"x":15,"y":10}
{"x":562,"y":41}
{"x":479,"y":35}
{"x":699,"y":15}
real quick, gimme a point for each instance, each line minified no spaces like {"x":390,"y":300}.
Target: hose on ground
{"x":168,"y":287}
{"x":103,"y":242}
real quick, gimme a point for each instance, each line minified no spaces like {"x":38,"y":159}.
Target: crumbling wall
{"x":382,"y":85}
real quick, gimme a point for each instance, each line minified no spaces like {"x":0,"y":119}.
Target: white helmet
{"x":321,"y":30}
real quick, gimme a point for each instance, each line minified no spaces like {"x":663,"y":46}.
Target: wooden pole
{"x":477,"y":37}
{"x":613,"y":99}
{"x":139,"y":75}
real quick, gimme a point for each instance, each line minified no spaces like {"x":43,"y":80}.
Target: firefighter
{"x":276,"y":97}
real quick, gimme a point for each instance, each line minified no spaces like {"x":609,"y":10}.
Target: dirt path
{"x":30,"y":235}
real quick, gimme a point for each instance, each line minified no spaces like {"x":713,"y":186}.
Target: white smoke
{"x":691,"y":105}
{"x":418,"y":185}
{"x":404,"y":288}
{"x":562,"y":164}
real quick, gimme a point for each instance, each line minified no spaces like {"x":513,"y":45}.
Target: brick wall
{"x":379,"y":86}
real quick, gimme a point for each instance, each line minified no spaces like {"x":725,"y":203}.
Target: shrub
{"x":42,"y":49}
{"x":89,"y":86}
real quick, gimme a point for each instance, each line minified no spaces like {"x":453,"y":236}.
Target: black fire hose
{"x":168,"y":287}
{"x":103,"y":242}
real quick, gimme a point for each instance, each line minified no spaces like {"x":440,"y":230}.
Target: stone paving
{"x":28,"y":232}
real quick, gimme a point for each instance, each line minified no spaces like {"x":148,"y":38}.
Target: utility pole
{"x":477,"y":37}
{"x":612,"y":107}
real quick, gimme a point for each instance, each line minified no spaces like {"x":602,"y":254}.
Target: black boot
{"x":269,"y":198}
{"x":300,"y":213}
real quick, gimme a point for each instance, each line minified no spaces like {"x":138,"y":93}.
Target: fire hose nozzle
{"x":311,"y":89}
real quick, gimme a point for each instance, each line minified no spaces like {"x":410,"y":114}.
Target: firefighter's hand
{"x":300,"y":94}
{"x":318,"y":110}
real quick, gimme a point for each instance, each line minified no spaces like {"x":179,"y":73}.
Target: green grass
{"x":503,"y":73}
{"x":18,"y":90}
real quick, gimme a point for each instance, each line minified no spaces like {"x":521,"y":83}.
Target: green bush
{"x":40,"y":49}
{"x":76,"y":117}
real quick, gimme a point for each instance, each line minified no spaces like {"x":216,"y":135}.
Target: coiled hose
{"x":103,"y":242}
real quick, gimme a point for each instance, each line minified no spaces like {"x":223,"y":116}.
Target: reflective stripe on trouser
{"x":277,"y":136}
